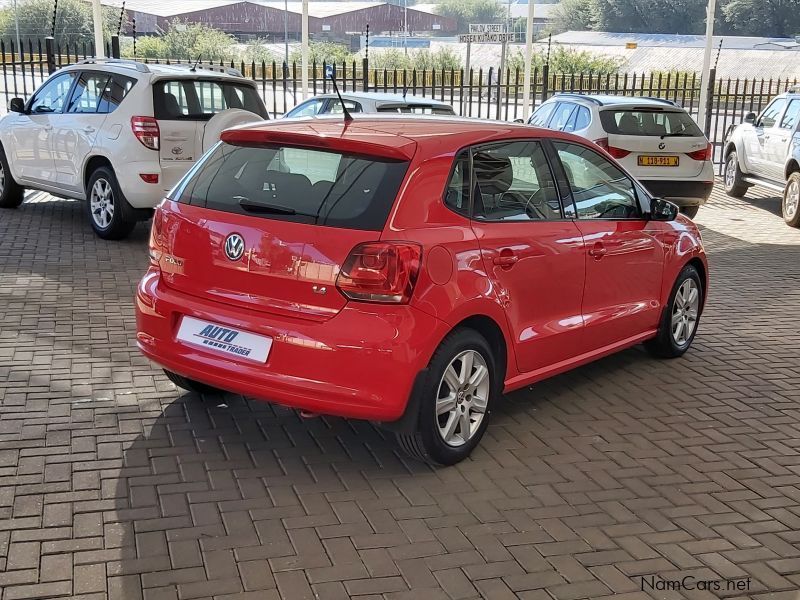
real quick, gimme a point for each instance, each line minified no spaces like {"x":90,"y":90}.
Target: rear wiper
{"x":679,"y":134}
{"x":251,"y":206}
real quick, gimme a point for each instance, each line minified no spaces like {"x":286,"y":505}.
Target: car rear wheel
{"x":110,"y":215}
{"x":690,"y":211}
{"x":190,"y":385}
{"x":681,"y":316}
{"x":790,"y":207}
{"x":455,"y":400}
{"x":734,"y":183}
{"x":11,"y":193}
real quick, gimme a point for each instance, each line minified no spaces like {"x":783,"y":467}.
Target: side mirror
{"x":663,"y":210}
{"x":750,"y":118}
{"x":16,"y":105}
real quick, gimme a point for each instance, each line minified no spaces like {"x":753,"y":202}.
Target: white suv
{"x":654,"y":139}
{"x":118,"y":134}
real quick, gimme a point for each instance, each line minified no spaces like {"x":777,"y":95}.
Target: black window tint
{"x":513,"y":182}
{"x":456,"y":195}
{"x":198,"y":99}
{"x":772,"y":112}
{"x":790,"y":118}
{"x":296,"y":184}
{"x":52,"y":97}
{"x":599,"y":188}
{"x":647,"y":122}
{"x":541,"y":115}
{"x":561,"y":115}
{"x":116,"y":90}
{"x":98,"y":93}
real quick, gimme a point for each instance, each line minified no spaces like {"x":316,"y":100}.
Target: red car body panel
{"x":573,"y":291}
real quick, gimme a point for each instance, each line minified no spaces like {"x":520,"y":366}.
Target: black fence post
{"x":545,"y":81}
{"x":712,"y":74}
{"x":115,"y":46}
{"x":49,"y":47}
{"x":365,"y":73}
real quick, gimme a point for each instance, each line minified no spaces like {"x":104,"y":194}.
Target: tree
{"x":565,"y":60}
{"x":256,"y":52}
{"x":328,"y":52}
{"x":472,"y":11}
{"x":574,"y":15}
{"x":74,"y":23}
{"x":650,"y":16}
{"x":186,"y":41}
{"x":772,"y":18}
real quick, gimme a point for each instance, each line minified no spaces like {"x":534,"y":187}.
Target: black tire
{"x":122,"y":216}
{"x":734,"y":183}
{"x":190,"y":385}
{"x":427,"y":443}
{"x":690,"y":211}
{"x":665,"y":345}
{"x":790,"y":206}
{"x":11,"y":193}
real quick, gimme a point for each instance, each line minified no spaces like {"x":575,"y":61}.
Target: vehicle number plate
{"x":224,"y":339}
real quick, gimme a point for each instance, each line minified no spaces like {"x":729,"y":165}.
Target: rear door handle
{"x":598,"y":251}
{"x":506,"y":259}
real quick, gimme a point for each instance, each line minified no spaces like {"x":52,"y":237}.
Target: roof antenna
{"x":329,"y":73}
{"x":194,"y":66}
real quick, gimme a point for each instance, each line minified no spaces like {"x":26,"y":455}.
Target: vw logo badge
{"x":234,"y":246}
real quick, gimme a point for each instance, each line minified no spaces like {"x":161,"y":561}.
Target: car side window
{"x":306,"y":109}
{"x":770,"y":115}
{"x":562,"y":115}
{"x":456,"y":195}
{"x":335,"y":107}
{"x":789,"y":119}
{"x":599,"y":188}
{"x":542,"y":114}
{"x":88,"y":92}
{"x":579,"y":119}
{"x":513,"y":182}
{"x":52,"y":97}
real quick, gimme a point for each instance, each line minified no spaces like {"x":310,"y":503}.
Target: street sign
{"x":485,"y":38}
{"x":487,"y":28}
{"x":328,"y":71}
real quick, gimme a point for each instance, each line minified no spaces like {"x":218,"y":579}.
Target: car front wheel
{"x":734,"y":183}
{"x":681,"y":316}
{"x":110,"y":215}
{"x":455,"y":400}
{"x":790,"y":207}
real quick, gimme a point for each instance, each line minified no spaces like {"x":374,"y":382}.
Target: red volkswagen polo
{"x":409,"y":271}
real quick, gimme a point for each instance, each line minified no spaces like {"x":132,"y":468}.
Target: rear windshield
{"x":418,"y":109}
{"x":199,"y":100}
{"x":296,"y":184}
{"x":649,"y":122}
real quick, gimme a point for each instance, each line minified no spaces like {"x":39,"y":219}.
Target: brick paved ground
{"x":113,"y":484}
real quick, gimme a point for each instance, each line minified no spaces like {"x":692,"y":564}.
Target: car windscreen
{"x":296,"y":184}
{"x":649,"y":123}
{"x":199,"y":99}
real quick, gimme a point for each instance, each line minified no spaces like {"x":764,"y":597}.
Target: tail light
{"x":156,"y":237}
{"x":146,"y":131}
{"x":380,"y":272}
{"x":613,"y":151}
{"x":705,"y":154}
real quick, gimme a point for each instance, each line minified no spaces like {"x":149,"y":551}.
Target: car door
{"x":757,"y":138}
{"x":780,"y":139}
{"x":531,"y":252}
{"x":31,"y":147}
{"x":623,"y":257}
{"x":75,"y":134}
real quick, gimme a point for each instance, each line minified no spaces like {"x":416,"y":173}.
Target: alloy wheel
{"x":791,"y":200}
{"x":463,"y":397}
{"x":101,"y":202}
{"x":730,"y":172}
{"x":685,"y":311}
{"x":2,"y":179}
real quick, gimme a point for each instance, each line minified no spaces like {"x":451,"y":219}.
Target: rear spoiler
{"x":357,"y":143}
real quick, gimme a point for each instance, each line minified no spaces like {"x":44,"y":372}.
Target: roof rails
{"x":655,"y":99}
{"x":579,"y":95}
{"x":131,"y":64}
{"x":219,"y":69}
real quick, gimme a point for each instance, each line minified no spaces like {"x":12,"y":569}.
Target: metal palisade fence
{"x":480,"y":93}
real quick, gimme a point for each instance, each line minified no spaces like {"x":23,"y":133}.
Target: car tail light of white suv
{"x":146,"y":131}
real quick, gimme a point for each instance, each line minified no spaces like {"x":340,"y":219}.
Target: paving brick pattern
{"x":113,"y":484}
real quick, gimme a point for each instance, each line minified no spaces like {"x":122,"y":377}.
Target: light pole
{"x":16,"y":25}
{"x":706,"y":72}
{"x":97,"y":17}
{"x":405,"y":27}
{"x":285,"y":33}
{"x":304,"y":48}
{"x":526,"y":90}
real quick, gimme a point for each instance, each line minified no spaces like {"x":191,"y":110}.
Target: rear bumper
{"x":682,"y":193}
{"x":361,"y":364}
{"x":138,"y":193}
